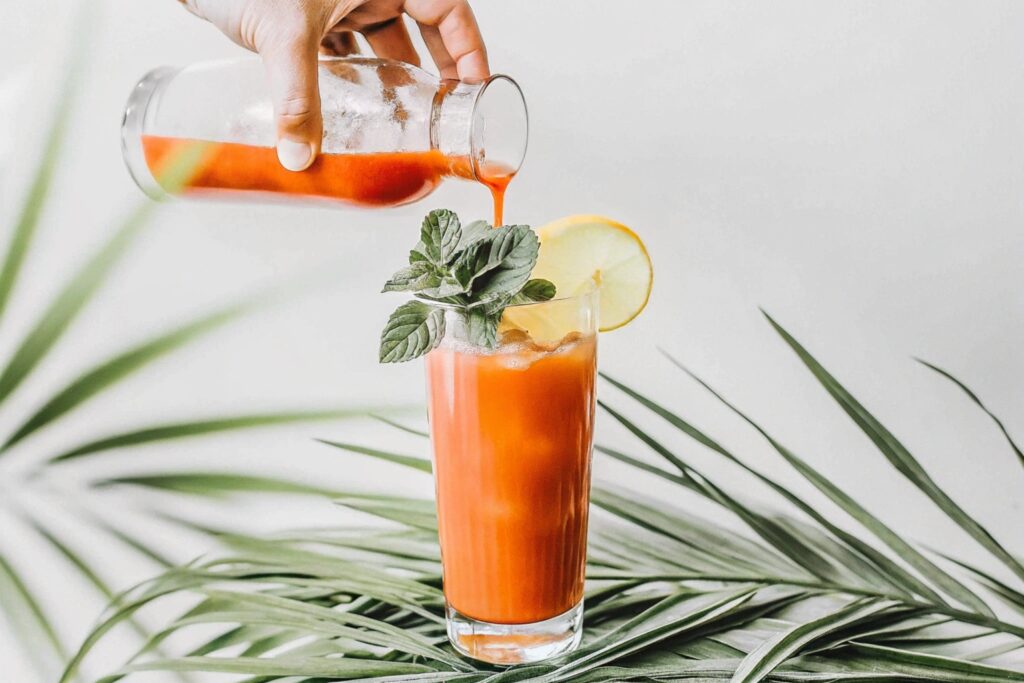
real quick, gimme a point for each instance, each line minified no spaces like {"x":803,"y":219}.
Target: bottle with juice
{"x":392,"y":133}
{"x":512,"y":429}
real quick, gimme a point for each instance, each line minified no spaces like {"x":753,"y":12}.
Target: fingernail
{"x":295,"y":156}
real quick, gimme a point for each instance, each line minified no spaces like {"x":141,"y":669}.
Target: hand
{"x":288,"y":34}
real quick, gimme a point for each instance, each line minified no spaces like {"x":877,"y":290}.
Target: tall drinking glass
{"x":512,"y":430}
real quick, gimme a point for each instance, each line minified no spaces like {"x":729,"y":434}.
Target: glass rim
{"x":590,"y":292}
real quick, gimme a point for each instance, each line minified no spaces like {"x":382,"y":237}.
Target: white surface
{"x":853,"y":167}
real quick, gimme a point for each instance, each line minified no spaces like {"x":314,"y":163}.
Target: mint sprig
{"x":475,"y":270}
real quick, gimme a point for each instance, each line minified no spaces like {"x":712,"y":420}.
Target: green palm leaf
{"x":416,"y":462}
{"x":398,"y":425}
{"x":794,"y":548}
{"x":21,"y":606}
{"x":117,"y":368}
{"x":652,"y":626}
{"x":181,"y":430}
{"x":671,"y":596}
{"x":770,"y":654}
{"x":128,"y":540}
{"x":335,"y":669}
{"x":902,"y":548}
{"x":1011,"y":597}
{"x":30,"y":622}
{"x":86,"y":569}
{"x":977,"y":401}
{"x":899,"y":456}
{"x":49,"y":328}
{"x":918,"y":662}
{"x":42,"y":181}
{"x":215,"y":483}
{"x":83,"y":284}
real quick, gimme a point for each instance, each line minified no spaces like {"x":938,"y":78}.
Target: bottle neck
{"x":451,"y":126}
{"x":480,"y":127}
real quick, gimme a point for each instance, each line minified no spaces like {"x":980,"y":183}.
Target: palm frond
{"x":30,"y":622}
{"x":80,"y":288}
{"x":413,"y":461}
{"x":202,"y":427}
{"x":904,"y":550}
{"x":40,"y":186}
{"x":671,"y":596}
{"x":977,"y":401}
{"x":117,"y":368}
{"x":398,"y":425}
{"x":897,"y":454}
{"x":774,"y":651}
{"x":19,"y":591}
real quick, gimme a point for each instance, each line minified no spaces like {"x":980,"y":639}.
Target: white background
{"x":854,"y":168}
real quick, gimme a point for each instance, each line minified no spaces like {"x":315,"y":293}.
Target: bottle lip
{"x":476,"y":153}
{"x":132,"y":126}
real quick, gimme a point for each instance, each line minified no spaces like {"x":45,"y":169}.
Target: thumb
{"x":292,"y":72}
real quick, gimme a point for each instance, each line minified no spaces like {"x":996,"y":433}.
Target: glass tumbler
{"x":392,"y":132}
{"x":512,"y":431}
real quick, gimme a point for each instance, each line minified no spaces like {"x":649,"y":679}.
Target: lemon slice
{"x":580,"y":251}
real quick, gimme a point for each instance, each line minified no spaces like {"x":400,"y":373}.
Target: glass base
{"x":508,"y":644}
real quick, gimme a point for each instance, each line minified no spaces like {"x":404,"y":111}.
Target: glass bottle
{"x":392,"y":132}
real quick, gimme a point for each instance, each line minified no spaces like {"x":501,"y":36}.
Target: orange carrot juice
{"x":512,"y":431}
{"x":373,"y":179}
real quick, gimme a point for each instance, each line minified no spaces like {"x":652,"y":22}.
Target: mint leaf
{"x":476,"y":271}
{"x":535,"y":290}
{"x":430,"y":239}
{"x":412,"y":330}
{"x":473,"y":232}
{"x":419,"y":254}
{"x":442,"y":289}
{"x":413,"y":278}
{"x":440,"y":235}
{"x":482,"y":327}
{"x":507,"y":255}
{"x":512,"y":257}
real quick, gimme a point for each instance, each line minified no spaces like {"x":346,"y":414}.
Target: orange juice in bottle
{"x":392,"y":133}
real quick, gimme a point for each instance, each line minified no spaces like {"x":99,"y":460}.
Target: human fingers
{"x":339,"y":44}
{"x":291,"y":66}
{"x":459,"y":34}
{"x":390,"y":40}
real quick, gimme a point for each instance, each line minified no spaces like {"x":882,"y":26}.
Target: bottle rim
{"x":132,"y":128}
{"x":476,"y":154}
